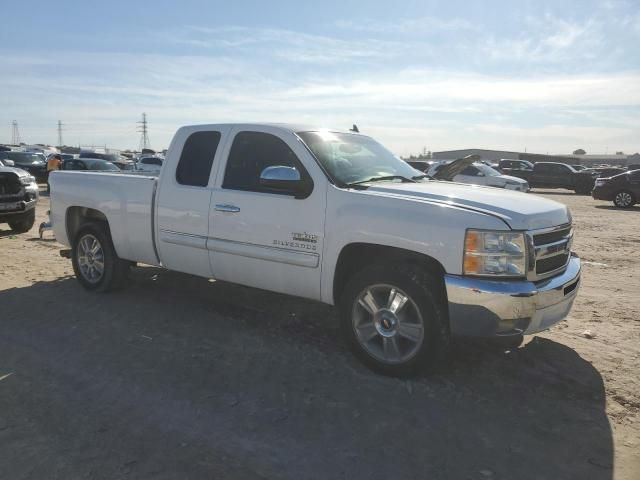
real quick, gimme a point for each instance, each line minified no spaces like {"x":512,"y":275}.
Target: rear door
{"x":261,"y":238}
{"x":183,"y":198}
{"x":545,"y":175}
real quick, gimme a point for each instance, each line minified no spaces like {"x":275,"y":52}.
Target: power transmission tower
{"x":60,"y":133}
{"x":15,"y":133}
{"x":143,"y":129}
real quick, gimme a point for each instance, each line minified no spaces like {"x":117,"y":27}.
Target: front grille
{"x":551,"y":237}
{"x":9,"y":184}
{"x":552,"y":251}
{"x":12,"y":198}
{"x":550,"y":264}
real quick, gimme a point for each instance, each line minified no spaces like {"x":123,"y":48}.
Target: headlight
{"x":494,"y":253}
{"x":27,"y":180}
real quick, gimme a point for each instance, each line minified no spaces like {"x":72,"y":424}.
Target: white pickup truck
{"x":331,"y":216}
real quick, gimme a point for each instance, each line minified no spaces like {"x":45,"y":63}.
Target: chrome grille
{"x":551,"y":251}
{"x":9,"y":184}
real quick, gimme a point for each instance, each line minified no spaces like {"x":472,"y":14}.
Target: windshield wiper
{"x":380,"y":179}
{"x":420,"y":177}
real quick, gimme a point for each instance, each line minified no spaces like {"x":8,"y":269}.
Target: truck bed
{"x":126,"y":201}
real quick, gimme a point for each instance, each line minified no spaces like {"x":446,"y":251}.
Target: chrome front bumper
{"x":19,"y":207}
{"x":482,"y":307}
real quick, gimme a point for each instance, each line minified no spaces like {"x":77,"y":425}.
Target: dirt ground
{"x":180,"y":377}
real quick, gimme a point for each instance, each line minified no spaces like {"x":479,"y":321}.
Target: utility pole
{"x":60,"y":133}
{"x":15,"y":133}
{"x":143,"y":129}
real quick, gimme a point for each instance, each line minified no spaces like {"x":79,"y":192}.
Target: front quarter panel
{"x":433,"y":229}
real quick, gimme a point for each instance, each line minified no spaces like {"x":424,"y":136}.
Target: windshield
{"x":350,"y":158}
{"x":23,"y":158}
{"x":100,"y":165}
{"x":487,"y":170}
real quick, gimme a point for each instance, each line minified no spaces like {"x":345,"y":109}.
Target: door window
{"x":194,"y":166}
{"x":250,"y":154}
{"x":470,"y":171}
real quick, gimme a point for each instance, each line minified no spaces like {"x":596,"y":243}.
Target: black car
{"x":420,"y":165}
{"x":606,"y":172}
{"x":557,"y":175}
{"x":623,"y":189}
{"x":89,"y":164}
{"x":34,"y":163}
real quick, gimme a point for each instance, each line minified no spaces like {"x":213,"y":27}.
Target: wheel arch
{"x":76,"y":217}
{"x":355,"y":256}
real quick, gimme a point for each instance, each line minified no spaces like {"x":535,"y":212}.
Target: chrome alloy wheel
{"x":623,"y":199}
{"x":387,"y":324}
{"x":90,"y":258}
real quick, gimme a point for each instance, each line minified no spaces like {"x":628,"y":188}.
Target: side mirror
{"x":284,"y":180}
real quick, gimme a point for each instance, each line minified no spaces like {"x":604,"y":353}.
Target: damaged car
{"x":18,"y":198}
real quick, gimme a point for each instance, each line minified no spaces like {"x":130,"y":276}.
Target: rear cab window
{"x":196,"y":159}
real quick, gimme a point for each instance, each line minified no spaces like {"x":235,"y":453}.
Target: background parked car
{"x":18,"y":198}
{"x":149,"y":164}
{"x":507,"y":166}
{"x":557,"y":175}
{"x":421,"y":165}
{"x":623,"y":189}
{"x":92,"y":164}
{"x":125,"y":164}
{"x":606,"y":172}
{"x":34,"y":163}
{"x":478,"y":173}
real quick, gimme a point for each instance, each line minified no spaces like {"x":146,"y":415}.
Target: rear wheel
{"x":624,"y":199}
{"x":95,"y":262}
{"x":25,"y":224}
{"x":394,"y":318}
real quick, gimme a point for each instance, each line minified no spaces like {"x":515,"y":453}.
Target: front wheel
{"x":25,"y":224}
{"x":95,"y":262}
{"x":624,"y":199}
{"x":394,"y":318}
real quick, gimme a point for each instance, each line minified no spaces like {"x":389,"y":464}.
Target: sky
{"x":545,"y":76}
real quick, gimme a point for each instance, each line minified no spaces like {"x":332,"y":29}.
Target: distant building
{"x":496,"y":155}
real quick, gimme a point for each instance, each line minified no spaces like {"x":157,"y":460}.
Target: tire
{"x":92,"y":247}
{"x":24,"y":225}
{"x":624,"y":199}
{"x":397,"y":345}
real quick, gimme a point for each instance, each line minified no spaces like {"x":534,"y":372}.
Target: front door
{"x":184,"y":196}
{"x":259,"y":237}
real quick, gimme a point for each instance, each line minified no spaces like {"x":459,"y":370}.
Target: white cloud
{"x":540,"y":86}
{"x":425,"y":24}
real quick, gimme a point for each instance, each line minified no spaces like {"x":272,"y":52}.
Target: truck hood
{"x":18,"y":171}
{"x":511,"y":179}
{"x":520,"y":211}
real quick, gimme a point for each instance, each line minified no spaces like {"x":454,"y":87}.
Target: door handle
{"x":225,"y":207}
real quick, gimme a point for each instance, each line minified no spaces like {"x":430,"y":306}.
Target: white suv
{"x":149,"y":164}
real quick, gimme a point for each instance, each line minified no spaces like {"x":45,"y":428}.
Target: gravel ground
{"x":180,"y":377}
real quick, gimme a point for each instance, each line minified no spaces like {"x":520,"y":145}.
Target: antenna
{"x":15,"y":133}
{"x":143,"y":129}
{"x":60,"y":143}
